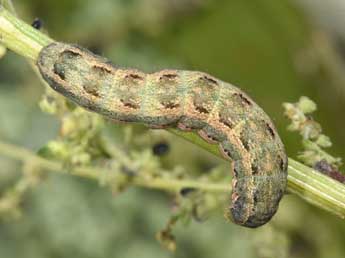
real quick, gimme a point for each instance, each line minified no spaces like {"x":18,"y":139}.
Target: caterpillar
{"x":190,"y":101}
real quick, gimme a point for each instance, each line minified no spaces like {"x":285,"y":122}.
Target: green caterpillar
{"x":219,"y":112}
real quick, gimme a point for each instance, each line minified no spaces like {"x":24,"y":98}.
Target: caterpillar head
{"x":67,"y":68}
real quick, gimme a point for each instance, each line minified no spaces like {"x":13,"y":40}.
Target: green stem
{"x":20,"y":37}
{"x":173,"y":185}
{"x":307,"y":183}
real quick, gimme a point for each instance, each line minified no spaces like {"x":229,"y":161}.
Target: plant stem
{"x":307,"y":183}
{"x":173,"y":185}
{"x":20,"y":37}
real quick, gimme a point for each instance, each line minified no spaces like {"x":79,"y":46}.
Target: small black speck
{"x":160,"y":149}
{"x":37,"y":23}
{"x":185,"y":191}
{"x":60,"y":71}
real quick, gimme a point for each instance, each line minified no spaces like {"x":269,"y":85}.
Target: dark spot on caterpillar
{"x":101,"y":70}
{"x":237,"y":167}
{"x":134,"y":76}
{"x":225,"y":122}
{"x":270,"y":130}
{"x":254,"y":166}
{"x":37,"y":23}
{"x":235,"y":172}
{"x":201,"y":109}
{"x":160,"y":149}
{"x":168,"y":76}
{"x":255,"y":198}
{"x":243,"y":98}
{"x":187,"y":190}
{"x":190,"y":127}
{"x":170,"y":104}
{"x":281,"y":163}
{"x":129,"y":104}
{"x":208,"y":79}
{"x":212,"y":137}
{"x":59,"y":70}
{"x":239,"y":187}
{"x":70,"y":54}
{"x":91,"y":88}
{"x":244,"y":141}
{"x":228,"y":154}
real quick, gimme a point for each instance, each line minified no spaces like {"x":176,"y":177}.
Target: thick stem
{"x":20,"y":37}
{"x":307,"y":183}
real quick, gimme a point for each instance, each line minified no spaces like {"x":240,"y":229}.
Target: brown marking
{"x":254,"y":166}
{"x":255,"y":199}
{"x":134,"y":76}
{"x":226,"y":122}
{"x":102,"y":69}
{"x":70,"y":53}
{"x":168,"y":76}
{"x":281,"y":163}
{"x":91,"y":89}
{"x":244,"y":142}
{"x":208,"y":79}
{"x":270,"y":130}
{"x":129,"y":104}
{"x":201,"y":109}
{"x":243,"y":98}
{"x":235,"y":173}
{"x":226,"y":153}
{"x":170,"y":104}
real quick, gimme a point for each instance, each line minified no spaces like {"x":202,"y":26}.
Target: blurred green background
{"x":271,"y":49}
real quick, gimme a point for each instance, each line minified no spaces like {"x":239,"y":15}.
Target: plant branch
{"x":20,"y":37}
{"x":307,"y":183}
{"x":22,"y":154}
